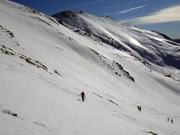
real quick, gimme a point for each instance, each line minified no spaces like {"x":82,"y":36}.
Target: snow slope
{"x":44,"y":66}
{"x":150,"y":47}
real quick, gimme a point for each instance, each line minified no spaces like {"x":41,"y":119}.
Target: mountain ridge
{"x":177,"y":40}
{"x":79,"y":23}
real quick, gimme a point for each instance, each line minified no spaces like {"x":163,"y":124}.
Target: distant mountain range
{"x":177,"y":40}
{"x":147,"y":46}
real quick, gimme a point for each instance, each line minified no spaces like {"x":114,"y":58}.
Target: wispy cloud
{"x":86,"y":4}
{"x":170,"y":14}
{"x":124,"y":11}
{"x":130,"y":10}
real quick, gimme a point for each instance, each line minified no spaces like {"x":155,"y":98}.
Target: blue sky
{"x":160,"y":15}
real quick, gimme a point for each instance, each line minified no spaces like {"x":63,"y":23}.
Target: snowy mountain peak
{"x":149,"y":46}
{"x":65,"y":14}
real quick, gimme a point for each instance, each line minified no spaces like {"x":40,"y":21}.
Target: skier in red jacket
{"x":82,"y":96}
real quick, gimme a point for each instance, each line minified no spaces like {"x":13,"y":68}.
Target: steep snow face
{"x":45,"y":65}
{"x":150,"y":47}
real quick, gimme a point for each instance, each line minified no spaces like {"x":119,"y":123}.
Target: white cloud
{"x":131,"y":9}
{"x":124,"y":11}
{"x":171,"y":14}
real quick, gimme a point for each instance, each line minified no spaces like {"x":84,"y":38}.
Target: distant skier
{"x":139,"y":108}
{"x":82,"y":96}
{"x":171,"y":120}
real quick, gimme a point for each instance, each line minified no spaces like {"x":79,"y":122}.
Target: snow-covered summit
{"x":44,"y":66}
{"x":148,"y":46}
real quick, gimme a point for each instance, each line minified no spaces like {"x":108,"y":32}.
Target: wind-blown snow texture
{"x":44,"y":65}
